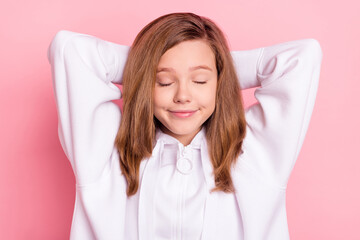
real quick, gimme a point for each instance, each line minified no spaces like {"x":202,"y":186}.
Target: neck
{"x":185,"y":139}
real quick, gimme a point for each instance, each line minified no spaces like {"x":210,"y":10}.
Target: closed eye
{"x":164,"y":84}
{"x":200,"y":82}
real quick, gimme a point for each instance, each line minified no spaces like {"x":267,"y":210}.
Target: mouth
{"x":183,"y":113}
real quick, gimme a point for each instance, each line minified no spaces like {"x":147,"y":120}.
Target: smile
{"x":183,"y":113}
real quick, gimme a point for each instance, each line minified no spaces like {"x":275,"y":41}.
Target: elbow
{"x":312,"y":51}
{"x":57,"y":44}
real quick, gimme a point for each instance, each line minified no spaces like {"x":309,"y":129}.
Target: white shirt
{"x":174,"y":199}
{"x":180,"y":183}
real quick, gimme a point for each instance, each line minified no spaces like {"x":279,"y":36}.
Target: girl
{"x":184,"y":160}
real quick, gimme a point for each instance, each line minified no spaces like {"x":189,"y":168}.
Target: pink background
{"x":36,"y":181}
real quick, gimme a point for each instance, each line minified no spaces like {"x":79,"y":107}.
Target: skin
{"x":184,"y":93}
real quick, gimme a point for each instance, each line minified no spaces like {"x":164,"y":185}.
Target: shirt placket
{"x":184,"y":167}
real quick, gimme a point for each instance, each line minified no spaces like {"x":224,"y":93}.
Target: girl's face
{"x":185,"y":89}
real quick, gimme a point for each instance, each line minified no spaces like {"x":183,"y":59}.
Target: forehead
{"x":188,"y":55}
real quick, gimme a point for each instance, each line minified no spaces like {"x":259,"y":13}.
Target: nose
{"x":183,"y":93}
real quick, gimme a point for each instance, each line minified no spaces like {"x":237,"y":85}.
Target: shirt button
{"x":184,"y":165}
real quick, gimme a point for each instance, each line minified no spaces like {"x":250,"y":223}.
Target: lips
{"x":183,"y":113}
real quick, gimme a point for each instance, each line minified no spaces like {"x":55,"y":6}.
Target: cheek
{"x":161,"y":98}
{"x":207,"y":98}
{"x":157,"y":105}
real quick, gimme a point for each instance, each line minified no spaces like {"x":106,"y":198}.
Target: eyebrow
{"x":190,"y":69}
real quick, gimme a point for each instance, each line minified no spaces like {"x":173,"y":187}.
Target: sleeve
{"x":84,"y":69}
{"x":287,"y":77}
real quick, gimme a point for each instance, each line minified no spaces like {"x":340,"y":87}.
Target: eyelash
{"x":200,"y":82}
{"x":164,"y":85}
{"x":168,"y":84}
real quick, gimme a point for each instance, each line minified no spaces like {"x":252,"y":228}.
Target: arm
{"x":84,"y":69}
{"x":287,"y":75}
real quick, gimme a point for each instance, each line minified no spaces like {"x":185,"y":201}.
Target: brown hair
{"x":225,"y":128}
